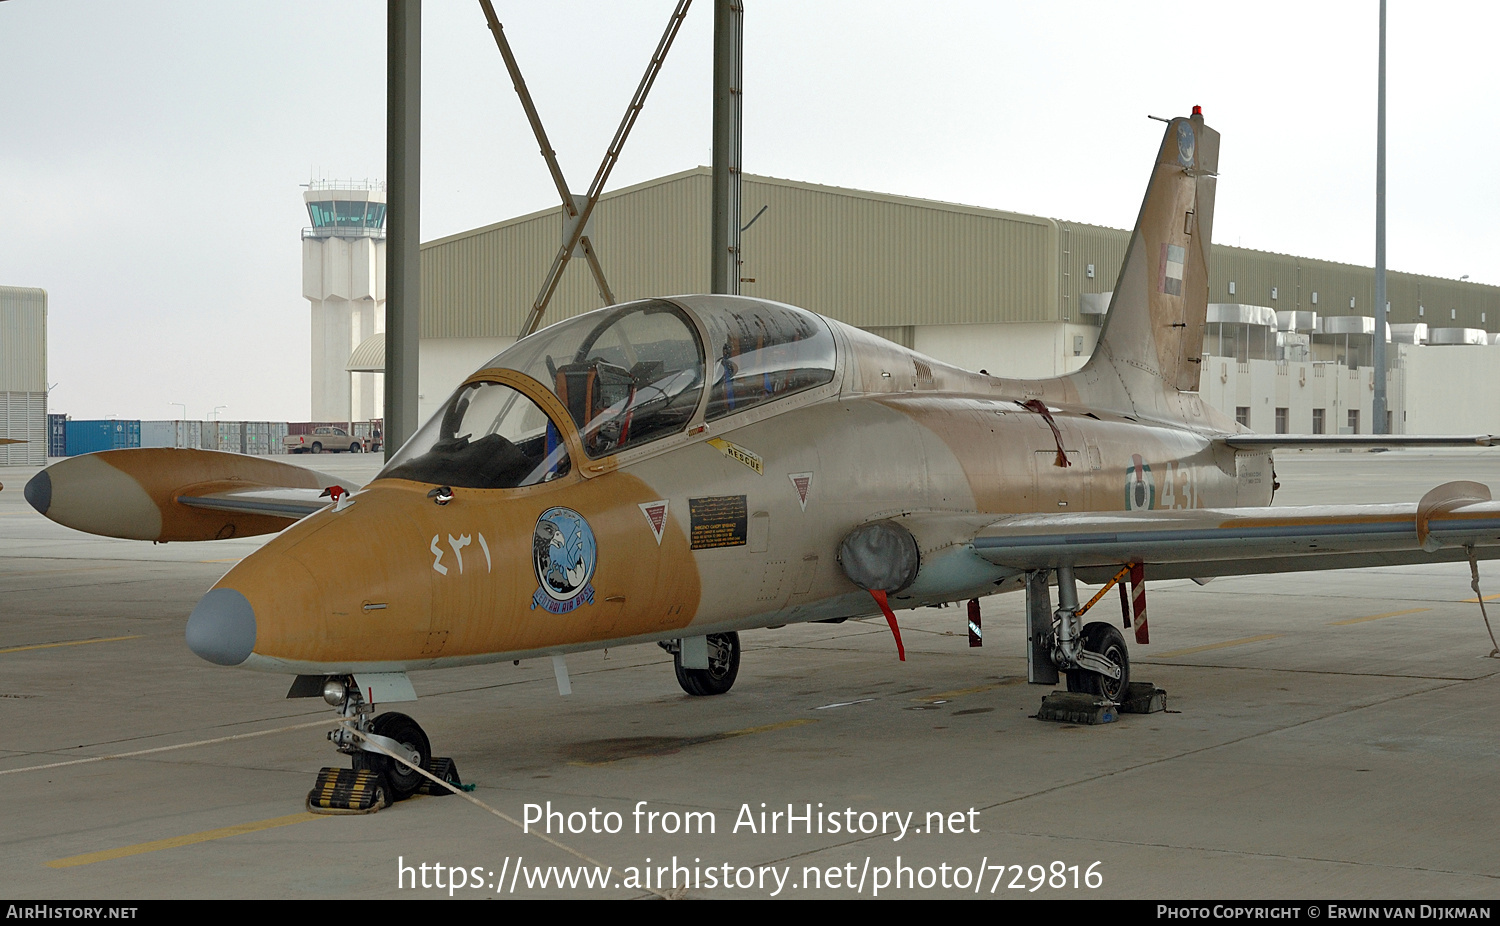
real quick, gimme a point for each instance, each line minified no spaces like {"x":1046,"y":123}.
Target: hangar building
{"x":1018,"y":295}
{"x":23,"y":375}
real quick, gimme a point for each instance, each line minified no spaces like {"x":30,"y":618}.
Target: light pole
{"x":181,"y":405}
{"x":215,"y":413}
{"x":1378,"y":410}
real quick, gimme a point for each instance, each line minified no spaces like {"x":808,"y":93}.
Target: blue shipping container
{"x":57,"y":435}
{"x":93,"y":436}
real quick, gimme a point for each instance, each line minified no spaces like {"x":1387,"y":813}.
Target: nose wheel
{"x":403,"y":780}
{"x":385,"y":753}
{"x":723,"y":665}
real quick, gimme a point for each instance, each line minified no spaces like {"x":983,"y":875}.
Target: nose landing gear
{"x":723,"y":664}
{"x":385,"y":752}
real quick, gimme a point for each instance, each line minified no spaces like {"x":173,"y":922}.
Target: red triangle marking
{"x":656,"y":516}
{"x":802,"y":482}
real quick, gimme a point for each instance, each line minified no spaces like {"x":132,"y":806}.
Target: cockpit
{"x":627,"y":375}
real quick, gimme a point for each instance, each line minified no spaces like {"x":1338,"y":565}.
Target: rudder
{"x":1153,"y":333}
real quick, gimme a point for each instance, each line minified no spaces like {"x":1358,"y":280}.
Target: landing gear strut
{"x":723,"y":665}
{"x":1094,"y":656}
{"x":376,"y":779}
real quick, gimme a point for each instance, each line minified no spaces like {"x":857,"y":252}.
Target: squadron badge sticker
{"x":564,"y":555}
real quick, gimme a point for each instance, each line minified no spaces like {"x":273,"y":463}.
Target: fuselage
{"x":719,"y":524}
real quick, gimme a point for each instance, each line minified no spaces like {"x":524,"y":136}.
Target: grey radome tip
{"x":221,"y":628}
{"x":38,"y":491}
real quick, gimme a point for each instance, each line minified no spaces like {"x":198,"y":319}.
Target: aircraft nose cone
{"x":38,"y":491}
{"x":221,"y":628}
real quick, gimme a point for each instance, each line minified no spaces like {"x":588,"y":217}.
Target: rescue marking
{"x":1203,"y":649}
{"x":20,"y":649}
{"x":564,"y":554}
{"x":656,"y":516}
{"x":1376,"y":617}
{"x":174,"y":842}
{"x":801,"y":482}
{"x":736,"y":452}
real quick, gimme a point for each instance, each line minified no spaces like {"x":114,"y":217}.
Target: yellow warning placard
{"x":736,"y":452}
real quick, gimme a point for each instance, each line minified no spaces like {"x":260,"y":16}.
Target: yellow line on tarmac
{"x":230,"y":559}
{"x":17,"y":649}
{"x":766,"y":728}
{"x":1201,"y":649}
{"x":140,"y":848}
{"x":1376,"y":617}
{"x":976,"y":689}
{"x":1476,"y":600}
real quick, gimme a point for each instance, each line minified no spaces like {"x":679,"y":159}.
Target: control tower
{"x":343,"y":276}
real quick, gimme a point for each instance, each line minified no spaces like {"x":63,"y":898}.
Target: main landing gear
{"x":376,"y":778}
{"x":1093,"y":656}
{"x":722,"y":662}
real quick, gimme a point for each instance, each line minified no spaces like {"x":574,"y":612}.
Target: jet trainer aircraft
{"x":681,"y":469}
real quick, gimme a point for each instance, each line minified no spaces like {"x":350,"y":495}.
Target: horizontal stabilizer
{"x":164,"y":494}
{"x":1350,"y":441}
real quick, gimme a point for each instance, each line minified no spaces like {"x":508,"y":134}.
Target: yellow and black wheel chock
{"x":346,"y":790}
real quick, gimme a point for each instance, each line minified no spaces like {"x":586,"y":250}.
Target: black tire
{"x":317,"y":447}
{"x":354,"y":448}
{"x":403,"y":781}
{"x":1109,"y":642}
{"x":723,"y":667}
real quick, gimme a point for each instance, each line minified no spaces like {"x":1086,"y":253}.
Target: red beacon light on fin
{"x":1197,"y":110}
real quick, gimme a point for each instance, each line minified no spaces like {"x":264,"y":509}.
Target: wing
{"x":164,"y":494}
{"x":963,"y":553}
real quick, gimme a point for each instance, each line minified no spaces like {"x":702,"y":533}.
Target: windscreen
{"x":488,"y":436}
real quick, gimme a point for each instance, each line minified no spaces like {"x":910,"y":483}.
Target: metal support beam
{"x":577,"y":214}
{"x":403,"y":165}
{"x":1380,"y":404}
{"x":729,"y":18}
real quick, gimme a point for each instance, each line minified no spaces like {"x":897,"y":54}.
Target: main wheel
{"x":1109,"y":642}
{"x":403,"y":781}
{"x":723,"y":666}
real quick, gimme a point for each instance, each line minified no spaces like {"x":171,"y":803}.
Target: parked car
{"x":323,"y":440}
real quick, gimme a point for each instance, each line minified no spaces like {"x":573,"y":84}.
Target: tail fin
{"x":1153,"y":334}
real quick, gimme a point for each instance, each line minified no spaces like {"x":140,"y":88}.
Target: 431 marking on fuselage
{"x":1177,"y":486}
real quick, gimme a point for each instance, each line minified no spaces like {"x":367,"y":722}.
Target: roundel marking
{"x":1140,"y":490}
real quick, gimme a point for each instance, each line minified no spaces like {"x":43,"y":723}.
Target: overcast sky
{"x":150,"y":152}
